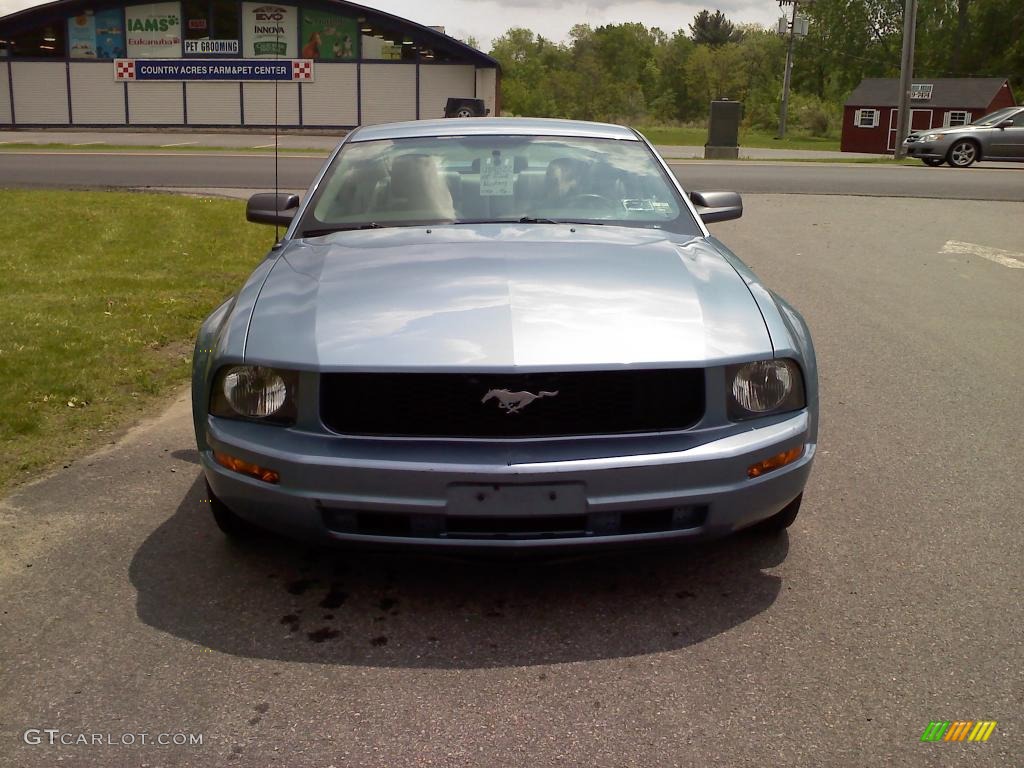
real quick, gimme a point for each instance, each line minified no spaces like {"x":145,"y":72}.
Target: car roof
{"x":494,"y":126}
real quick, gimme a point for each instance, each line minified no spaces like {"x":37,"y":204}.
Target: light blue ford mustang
{"x":505,"y":334}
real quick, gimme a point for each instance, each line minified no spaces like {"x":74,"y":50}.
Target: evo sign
{"x":216,"y":70}
{"x":269,"y":31}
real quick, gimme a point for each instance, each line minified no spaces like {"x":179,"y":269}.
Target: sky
{"x":554,"y":18}
{"x":486,"y":19}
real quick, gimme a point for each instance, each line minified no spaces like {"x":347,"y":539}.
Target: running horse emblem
{"x":514,"y":402}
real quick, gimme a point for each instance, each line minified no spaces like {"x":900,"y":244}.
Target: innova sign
{"x":269,"y":31}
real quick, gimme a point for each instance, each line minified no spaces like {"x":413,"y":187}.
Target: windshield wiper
{"x":526,"y":220}
{"x":332,"y":230}
{"x":542,"y":220}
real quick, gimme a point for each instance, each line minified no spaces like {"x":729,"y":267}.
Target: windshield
{"x":476,"y":179}
{"x":996,"y":117}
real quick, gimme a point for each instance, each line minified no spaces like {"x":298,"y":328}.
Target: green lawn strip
{"x":28,"y":146}
{"x":323,"y":153}
{"x":665,"y":136}
{"x":855,"y":160}
{"x":697,"y":137}
{"x":102,"y":295}
{"x":827,"y":160}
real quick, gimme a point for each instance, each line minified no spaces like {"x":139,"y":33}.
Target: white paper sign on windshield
{"x":496,"y":177}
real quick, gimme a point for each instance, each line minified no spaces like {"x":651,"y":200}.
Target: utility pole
{"x":906,"y":75}
{"x":788,"y":75}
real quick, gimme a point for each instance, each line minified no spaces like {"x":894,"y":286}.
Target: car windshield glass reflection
{"x":479,"y":179}
{"x":996,"y":117}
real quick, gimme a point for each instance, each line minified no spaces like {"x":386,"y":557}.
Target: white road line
{"x":1010,"y":259}
{"x":86,"y":143}
{"x":180,"y":144}
{"x":262,"y":146}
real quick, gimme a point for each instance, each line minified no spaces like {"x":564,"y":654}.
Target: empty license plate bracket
{"x":517,"y":500}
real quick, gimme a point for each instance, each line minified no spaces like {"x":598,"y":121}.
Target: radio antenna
{"x":277,"y":212}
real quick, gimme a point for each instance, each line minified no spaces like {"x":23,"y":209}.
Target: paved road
{"x":180,"y":169}
{"x":895,"y":599}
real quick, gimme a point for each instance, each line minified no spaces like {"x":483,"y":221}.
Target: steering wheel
{"x":588,"y":198}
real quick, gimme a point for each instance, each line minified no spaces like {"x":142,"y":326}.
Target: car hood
{"x":957,"y":130}
{"x":503,"y":296}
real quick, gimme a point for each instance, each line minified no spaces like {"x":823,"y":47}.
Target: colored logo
{"x":959,"y":730}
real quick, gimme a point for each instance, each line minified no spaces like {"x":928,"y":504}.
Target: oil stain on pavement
{"x":275,"y":599}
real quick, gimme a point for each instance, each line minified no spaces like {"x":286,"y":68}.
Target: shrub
{"x":814,"y":115}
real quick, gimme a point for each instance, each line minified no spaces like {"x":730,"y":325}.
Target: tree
{"x":714,"y":29}
{"x":530,"y":64}
{"x":763,"y":61}
{"x":848,"y":40}
{"x":672,"y":100}
{"x":716,"y":73}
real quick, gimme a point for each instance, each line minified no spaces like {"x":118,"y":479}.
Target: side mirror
{"x":1005,"y":124}
{"x":717,"y":206}
{"x":272,"y":208}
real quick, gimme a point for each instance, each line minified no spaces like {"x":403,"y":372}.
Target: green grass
{"x":56,"y":147}
{"x":666,"y":136}
{"x":846,"y":160}
{"x":101,"y":297}
{"x":696,"y":137}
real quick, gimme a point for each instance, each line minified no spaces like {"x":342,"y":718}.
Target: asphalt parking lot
{"x":894,"y":600}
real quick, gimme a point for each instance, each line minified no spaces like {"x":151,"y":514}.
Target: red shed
{"x":871,"y":114}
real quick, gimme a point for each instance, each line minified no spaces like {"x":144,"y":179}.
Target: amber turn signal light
{"x":776,"y":461}
{"x":245,"y":468}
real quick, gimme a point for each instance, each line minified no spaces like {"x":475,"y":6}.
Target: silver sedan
{"x":996,"y":136}
{"x":502,"y":334}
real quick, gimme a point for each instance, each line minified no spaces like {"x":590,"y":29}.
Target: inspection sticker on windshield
{"x":496,"y":177}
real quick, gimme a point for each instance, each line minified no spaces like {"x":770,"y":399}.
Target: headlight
{"x":765,"y":387}
{"x":255,"y":392}
{"x":932,"y":136}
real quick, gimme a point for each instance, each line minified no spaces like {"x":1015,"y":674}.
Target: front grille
{"x":449,"y":404}
{"x":436,"y":526}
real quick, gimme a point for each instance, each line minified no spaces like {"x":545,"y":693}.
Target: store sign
{"x":329,"y":37}
{"x":96,"y":35}
{"x":218,"y":70}
{"x":154,"y":31}
{"x":269,"y":31}
{"x":205,"y":47}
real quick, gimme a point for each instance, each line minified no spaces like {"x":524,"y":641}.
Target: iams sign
{"x":152,"y":25}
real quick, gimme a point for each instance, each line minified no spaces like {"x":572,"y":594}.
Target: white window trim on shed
{"x":963,"y":116}
{"x":860,"y":114}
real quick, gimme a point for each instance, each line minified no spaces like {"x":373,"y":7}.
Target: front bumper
{"x":931,"y":150}
{"x":339,"y":490}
